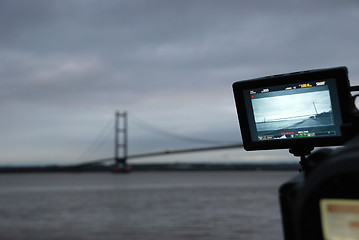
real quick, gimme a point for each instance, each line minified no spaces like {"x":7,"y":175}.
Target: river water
{"x":142,"y":205}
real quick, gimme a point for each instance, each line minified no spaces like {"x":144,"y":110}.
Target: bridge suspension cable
{"x":99,"y":141}
{"x":156,"y":130}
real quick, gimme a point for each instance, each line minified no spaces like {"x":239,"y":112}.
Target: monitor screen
{"x":295,"y":110}
{"x":283,"y":111}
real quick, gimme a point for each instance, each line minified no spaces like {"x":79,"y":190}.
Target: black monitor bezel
{"x":340,"y":74}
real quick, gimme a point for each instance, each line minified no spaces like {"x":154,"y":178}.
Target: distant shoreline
{"x":157,"y":167}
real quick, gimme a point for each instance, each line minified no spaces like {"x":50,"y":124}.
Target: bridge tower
{"x":121,"y":142}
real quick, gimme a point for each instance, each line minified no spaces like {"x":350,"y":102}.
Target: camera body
{"x":299,"y":111}
{"x":333,"y":175}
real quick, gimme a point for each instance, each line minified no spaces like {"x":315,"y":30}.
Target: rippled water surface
{"x":142,"y":205}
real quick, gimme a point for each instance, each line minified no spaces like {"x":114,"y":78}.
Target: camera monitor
{"x":292,"y":110}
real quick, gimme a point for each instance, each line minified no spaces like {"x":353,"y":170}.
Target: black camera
{"x":299,"y":111}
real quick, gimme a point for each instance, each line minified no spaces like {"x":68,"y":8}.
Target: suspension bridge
{"x":121,"y":157}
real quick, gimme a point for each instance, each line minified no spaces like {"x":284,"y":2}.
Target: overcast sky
{"x":67,"y":66}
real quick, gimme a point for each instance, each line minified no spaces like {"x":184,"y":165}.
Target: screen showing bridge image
{"x":297,"y":113}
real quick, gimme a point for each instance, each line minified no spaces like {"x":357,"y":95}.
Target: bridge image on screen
{"x":283,"y":116}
